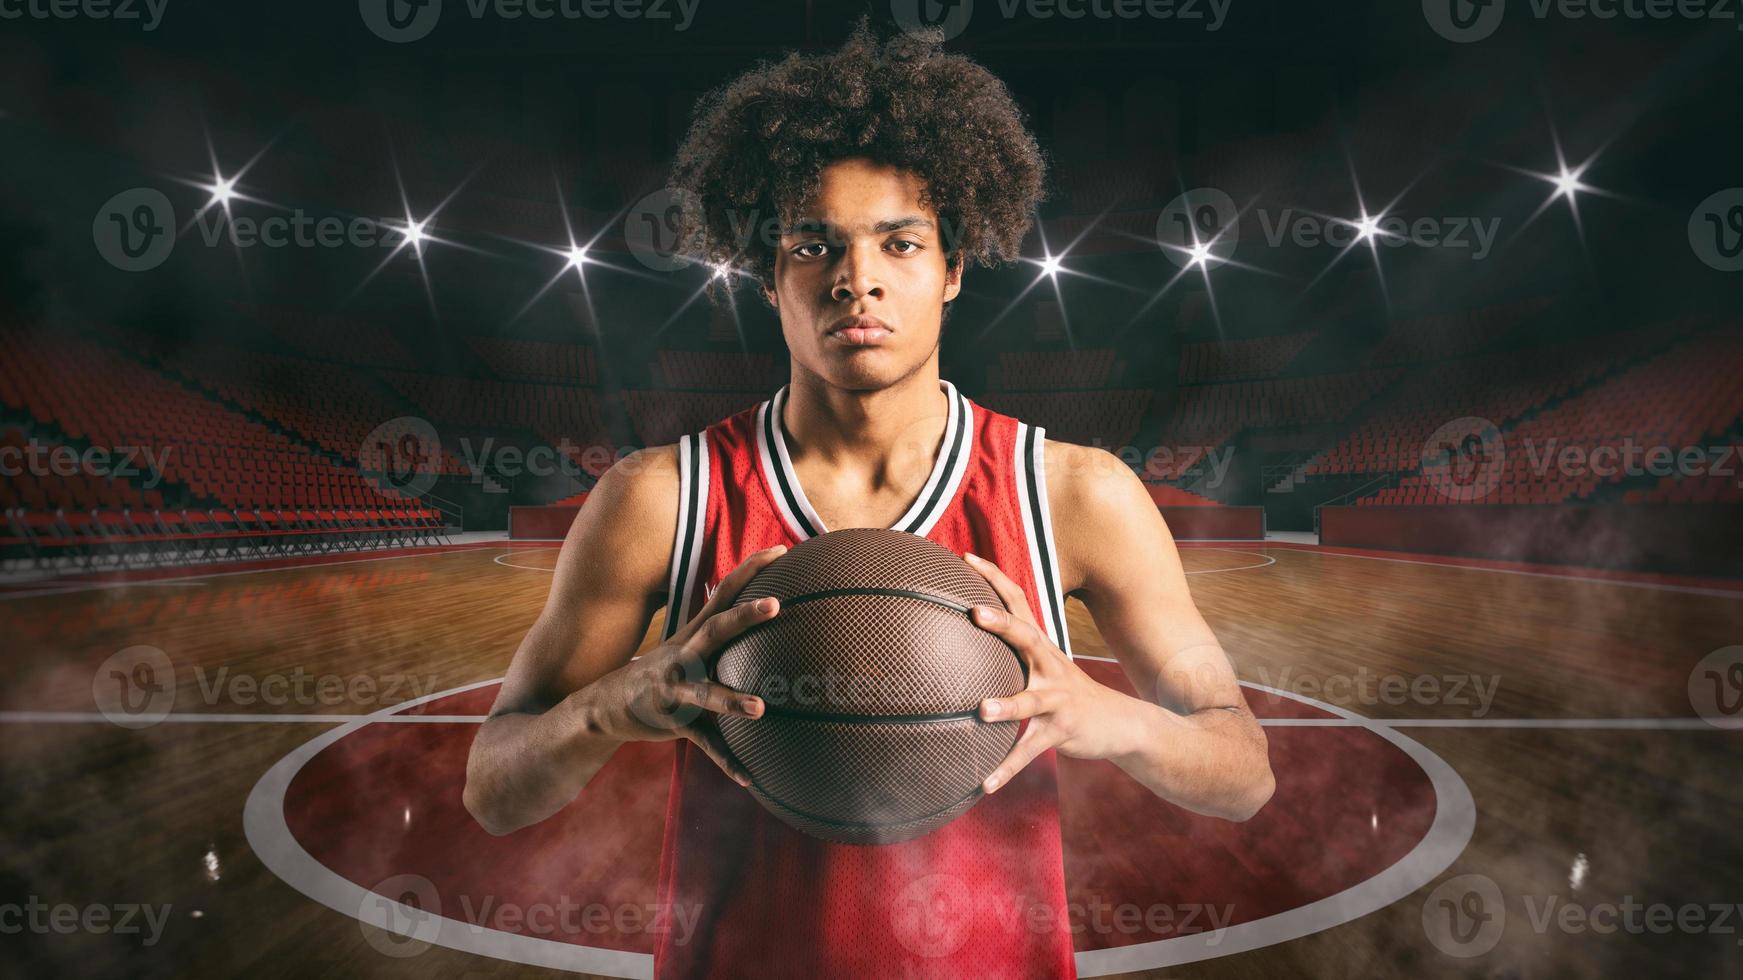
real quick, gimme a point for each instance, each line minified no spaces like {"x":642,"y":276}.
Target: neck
{"x":873,"y":434}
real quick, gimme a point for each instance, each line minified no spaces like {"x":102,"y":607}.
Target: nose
{"x":857,"y":275}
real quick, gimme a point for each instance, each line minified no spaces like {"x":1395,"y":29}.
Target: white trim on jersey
{"x":948,"y":469}
{"x":693,"y":473}
{"x":1031,"y":469}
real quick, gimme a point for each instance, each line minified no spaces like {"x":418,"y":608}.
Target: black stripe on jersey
{"x":945,"y":474}
{"x":1044,"y":547}
{"x":770,"y":420}
{"x":692,"y":478}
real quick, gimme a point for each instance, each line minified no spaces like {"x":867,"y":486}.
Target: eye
{"x":800,"y":251}
{"x":913,"y":246}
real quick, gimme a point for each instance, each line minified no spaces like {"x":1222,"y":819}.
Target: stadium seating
{"x":1055,"y":370}
{"x":535,"y":360}
{"x":1260,"y":357}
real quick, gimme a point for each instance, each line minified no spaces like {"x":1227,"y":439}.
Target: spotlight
{"x":722,"y":270}
{"x":1567,"y":183}
{"x":223,"y":190}
{"x":1199,"y":254}
{"x":1050,"y":266}
{"x":1367,"y":227}
{"x":577,"y":256}
{"x":414,"y":233}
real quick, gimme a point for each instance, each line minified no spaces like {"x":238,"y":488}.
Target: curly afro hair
{"x":758,"y":145}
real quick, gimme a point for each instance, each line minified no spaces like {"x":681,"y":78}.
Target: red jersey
{"x":982,"y":896}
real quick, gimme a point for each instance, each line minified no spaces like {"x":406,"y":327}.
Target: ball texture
{"x":871,"y":676}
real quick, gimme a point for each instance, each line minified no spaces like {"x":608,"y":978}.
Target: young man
{"x":890,"y":166}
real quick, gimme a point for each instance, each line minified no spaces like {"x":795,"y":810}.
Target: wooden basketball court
{"x":1481,"y":770}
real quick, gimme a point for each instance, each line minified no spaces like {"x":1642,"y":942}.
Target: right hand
{"x":666,"y":694}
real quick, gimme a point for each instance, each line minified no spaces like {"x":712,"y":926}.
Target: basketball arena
{"x":1418,"y":324}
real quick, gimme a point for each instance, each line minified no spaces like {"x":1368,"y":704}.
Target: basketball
{"x":872,"y":676}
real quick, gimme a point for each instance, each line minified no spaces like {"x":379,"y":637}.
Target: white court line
{"x":196,"y":576}
{"x":1269,"y":560}
{"x":1629,"y":583}
{"x":524,"y":551}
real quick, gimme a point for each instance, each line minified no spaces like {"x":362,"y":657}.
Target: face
{"x":861,"y":280}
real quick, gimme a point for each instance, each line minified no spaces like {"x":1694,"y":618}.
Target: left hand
{"x":1065,"y":708}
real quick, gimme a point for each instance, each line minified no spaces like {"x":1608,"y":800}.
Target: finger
{"x":1023,"y":704}
{"x":712,"y":745}
{"x":1024,"y":637}
{"x":1036,"y":740}
{"x":1009,"y":592}
{"x":729,"y":588}
{"x":723,"y":626}
{"x":719,"y":699}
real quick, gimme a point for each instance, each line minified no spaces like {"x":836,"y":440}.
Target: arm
{"x":1189,"y":736}
{"x":573,"y":694}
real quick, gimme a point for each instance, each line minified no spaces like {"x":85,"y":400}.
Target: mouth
{"x":860,"y":331}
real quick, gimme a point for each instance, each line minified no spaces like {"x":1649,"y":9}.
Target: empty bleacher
{"x":1055,"y":370}
{"x":1232,"y":360}
{"x":537,"y":360}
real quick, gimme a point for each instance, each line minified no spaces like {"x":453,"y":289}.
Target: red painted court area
{"x":381,"y":805}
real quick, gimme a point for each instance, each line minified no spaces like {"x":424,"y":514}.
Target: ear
{"x":953,"y":277}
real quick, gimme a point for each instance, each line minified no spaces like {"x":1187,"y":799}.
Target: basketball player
{"x":890,"y":165}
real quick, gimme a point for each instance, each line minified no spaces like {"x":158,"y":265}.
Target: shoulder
{"x":1096,"y":503}
{"x":630,"y":514}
